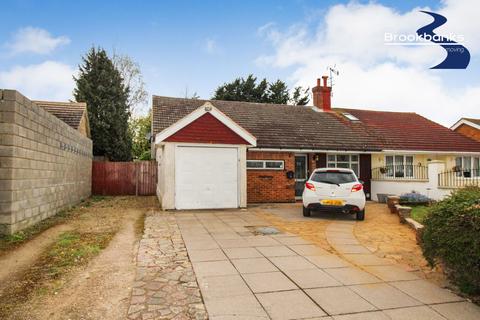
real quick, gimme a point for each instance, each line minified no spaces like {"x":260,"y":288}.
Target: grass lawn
{"x":419,"y":213}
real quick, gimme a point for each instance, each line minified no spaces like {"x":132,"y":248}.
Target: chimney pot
{"x":321,"y":95}
{"x":325,"y":81}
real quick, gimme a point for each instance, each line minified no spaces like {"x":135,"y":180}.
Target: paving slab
{"x":458,"y":310}
{"x":328,"y":261}
{"x":367,"y":259}
{"x":223,"y":286}
{"x":206,"y":255}
{"x":339,"y":300}
{"x":262,"y":241}
{"x":413,"y":313}
{"x":352,"y":275}
{"x":375,"y":315}
{"x":233,"y":243}
{"x":268,"y":282}
{"x":253,"y":265}
{"x":384,"y":296}
{"x":426,"y":292}
{"x":276,"y":251}
{"x":292,"y":263}
{"x":292,"y":240}
{"x":308,"y":250}
{"x":213,"y":268}
{"x":391,"y":273}
{"x":201,"y":245}
{"x":349,"y":248}
{"x":242,"y":253}
{"x":287,"y":305}
{"x":312,"y":278}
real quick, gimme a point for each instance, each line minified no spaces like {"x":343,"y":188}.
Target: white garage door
{"x":206,"y":177}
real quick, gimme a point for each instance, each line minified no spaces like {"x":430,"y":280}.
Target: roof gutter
{"x":310,"y":150}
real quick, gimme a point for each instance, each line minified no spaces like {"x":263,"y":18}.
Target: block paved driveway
{"x":242,"y":275}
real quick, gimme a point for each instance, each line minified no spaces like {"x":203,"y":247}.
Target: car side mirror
{"x":361,"y":181}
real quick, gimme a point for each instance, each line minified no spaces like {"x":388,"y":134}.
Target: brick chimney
{"x":321,"y":95}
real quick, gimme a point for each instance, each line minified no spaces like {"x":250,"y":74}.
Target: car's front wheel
{"x":306,"y":212}
{"x":361,"y":215}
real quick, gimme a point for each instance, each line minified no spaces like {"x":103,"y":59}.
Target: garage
{"x":198,"y":182}
{"x":201,"y":162}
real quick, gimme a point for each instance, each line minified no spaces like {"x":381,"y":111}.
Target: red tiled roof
{"x":410,"y":131}
{"x":476,"y":121}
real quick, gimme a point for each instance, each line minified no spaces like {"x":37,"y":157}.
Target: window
{"x":333,"y":177}
{"x":348,"y":161}
{"x":265,"y":164}
{"x":467,"y":166}
{"x":350,"y":116}
{"x":399,"y":166}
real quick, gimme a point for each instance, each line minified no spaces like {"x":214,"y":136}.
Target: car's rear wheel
{"x":306,"y":212}
{"x":361,"y":215}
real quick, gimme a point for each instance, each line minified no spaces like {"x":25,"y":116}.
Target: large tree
{"x":250,"y":90}
{"x":101,"y":86}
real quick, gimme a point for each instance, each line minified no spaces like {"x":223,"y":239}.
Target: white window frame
{"x":471,"y":166}
{"x":393,"y":174}
{"x":350,"y":162}
{"x":264,"y":164}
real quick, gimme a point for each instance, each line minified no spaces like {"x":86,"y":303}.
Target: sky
{"x":186,"y":47}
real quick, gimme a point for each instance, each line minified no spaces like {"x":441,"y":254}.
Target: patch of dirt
{"x":14,"y":262}
{"x":100,"y":288}
{"x":387,"y":237}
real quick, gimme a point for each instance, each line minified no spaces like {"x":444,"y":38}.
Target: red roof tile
{"x":410,"y":131}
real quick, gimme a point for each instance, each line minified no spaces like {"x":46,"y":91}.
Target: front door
{"x":300,"y":173}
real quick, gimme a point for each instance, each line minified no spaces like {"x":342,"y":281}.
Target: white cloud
{"x":49,"y":80}
{"x":373,"y":75}
{"x":35,"y":40}
{"x":211,"y":46}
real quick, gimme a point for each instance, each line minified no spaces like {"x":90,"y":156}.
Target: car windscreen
{"x":333,"y":177}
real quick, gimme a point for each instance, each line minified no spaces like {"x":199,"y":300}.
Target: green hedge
{"x":452,"y":236}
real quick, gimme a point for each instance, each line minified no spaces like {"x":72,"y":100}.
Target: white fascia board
{"x":310,"y":150}
{"x":466,"y":122}
{"x":430,"y":152}
{"x":207,"y":107}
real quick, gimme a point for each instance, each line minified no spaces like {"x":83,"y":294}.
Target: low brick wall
{"x":271,"y":185}
{"x":45,"y":165}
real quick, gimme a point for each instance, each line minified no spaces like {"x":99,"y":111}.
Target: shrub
{"x":452,"y":236}
{"x":414,"y":198}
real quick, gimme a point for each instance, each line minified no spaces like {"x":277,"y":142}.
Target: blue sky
{"x":197,"y":45}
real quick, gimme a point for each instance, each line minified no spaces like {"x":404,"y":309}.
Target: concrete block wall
{"x":45,"y":165}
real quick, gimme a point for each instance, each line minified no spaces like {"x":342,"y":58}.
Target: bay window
{"x":467,"y":166}
{"x":399,"y":166}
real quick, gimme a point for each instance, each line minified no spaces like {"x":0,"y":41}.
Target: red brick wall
{"x":270,"y":185}
{"x":469,"y":132}
{"x":206,"y":129}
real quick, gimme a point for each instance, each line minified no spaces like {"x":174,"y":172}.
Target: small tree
{"x":100,"y":85}
{"x":140,"y":128}
{"x":249,"y":90}
{"x":132,"y":79}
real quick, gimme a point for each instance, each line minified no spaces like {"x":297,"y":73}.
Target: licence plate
{"x":332,"y":202}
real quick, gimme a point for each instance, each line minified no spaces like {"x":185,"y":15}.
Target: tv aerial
{"x":333,"y":72}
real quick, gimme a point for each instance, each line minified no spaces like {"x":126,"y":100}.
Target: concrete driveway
{"x":244,"y":274}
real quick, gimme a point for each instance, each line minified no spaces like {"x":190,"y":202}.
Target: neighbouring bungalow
{"x":468,"y":127}
{"x":225,"y":154}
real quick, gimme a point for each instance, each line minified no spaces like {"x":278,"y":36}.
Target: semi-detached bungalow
{"x":225,"y":154}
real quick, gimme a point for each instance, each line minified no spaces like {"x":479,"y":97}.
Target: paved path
{"x":243,"y":275}
{"x":165,"y":286}
{"x":247,"y":276}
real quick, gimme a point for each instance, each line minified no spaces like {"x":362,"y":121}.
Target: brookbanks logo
{"x":458,"y":57}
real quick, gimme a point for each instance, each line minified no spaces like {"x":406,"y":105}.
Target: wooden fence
{"x":124,"y":178}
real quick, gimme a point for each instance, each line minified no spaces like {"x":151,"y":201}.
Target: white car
{"x":334,"y":189}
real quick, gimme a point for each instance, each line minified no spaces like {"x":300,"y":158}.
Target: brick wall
{"x":45,"y":165}
{"x":271,"y":185}
{"x":469,"y":132}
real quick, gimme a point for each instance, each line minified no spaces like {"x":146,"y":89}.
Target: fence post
{"x":136,"y":177}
